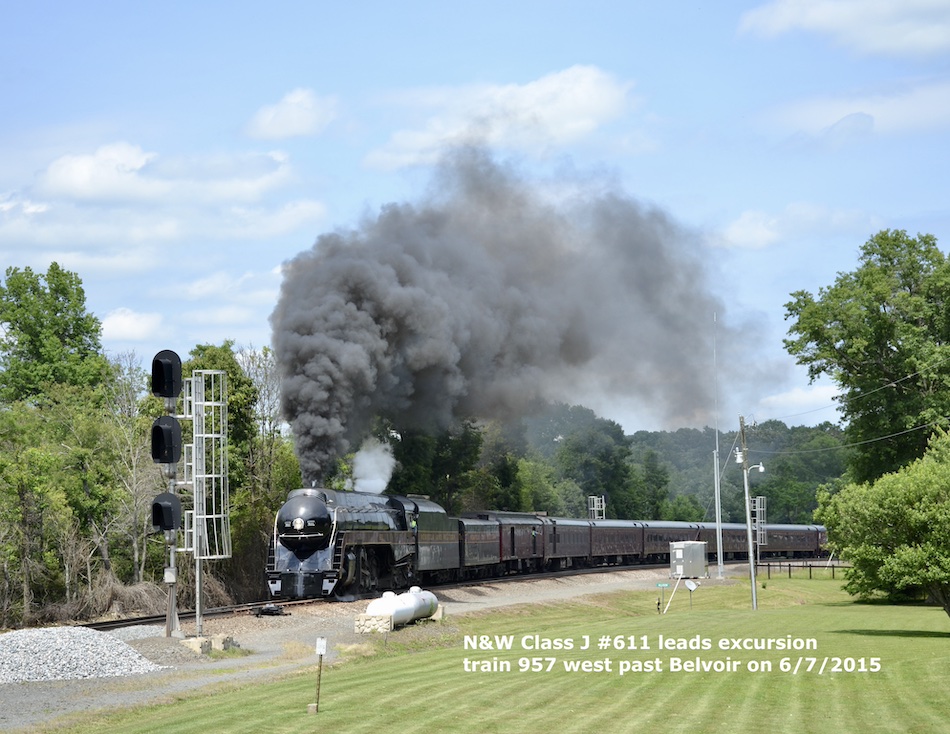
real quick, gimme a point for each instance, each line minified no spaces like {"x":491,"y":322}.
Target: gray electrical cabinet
{"x":688,"y":560}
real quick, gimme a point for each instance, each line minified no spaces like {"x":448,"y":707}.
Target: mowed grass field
{"x":877,"y":668}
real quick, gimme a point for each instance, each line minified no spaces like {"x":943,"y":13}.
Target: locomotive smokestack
{"x":485,"y":298}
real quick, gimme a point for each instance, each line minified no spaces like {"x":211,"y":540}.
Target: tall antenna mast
{"x":719,"y":561}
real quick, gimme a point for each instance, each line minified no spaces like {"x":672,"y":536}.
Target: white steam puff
{"x":484,"y":300}
{"x":373,"y":466}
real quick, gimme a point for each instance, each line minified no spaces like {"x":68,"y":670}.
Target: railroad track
{"x":185,"y":616}
{"x":259,"y":607}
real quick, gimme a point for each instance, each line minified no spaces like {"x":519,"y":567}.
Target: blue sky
{"x":175,"y":155}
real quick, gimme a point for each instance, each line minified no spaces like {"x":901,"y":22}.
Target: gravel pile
{"x":67,"y":653}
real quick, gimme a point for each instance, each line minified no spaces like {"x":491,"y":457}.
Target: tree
{"x":682,"y":508}
{"x":596,"y":459}
{"x":895,"y":530}
{"x":882,"y":333}
{"x":267,"y":450}
{"x":243,"y":573}
{"x":33,"y":510}
{"x":442,"y":467}
{"x":272,"y":471}
{"x":46,"y":335}
{"x":135,"y":472}
{"x":656,"y":480}
{"x":538,"y":488}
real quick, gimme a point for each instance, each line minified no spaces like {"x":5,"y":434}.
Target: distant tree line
{"x":77,"y":480}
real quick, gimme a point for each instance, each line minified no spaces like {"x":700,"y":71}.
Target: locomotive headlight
{"x":297,"y":524}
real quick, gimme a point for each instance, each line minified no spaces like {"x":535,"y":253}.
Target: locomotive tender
{"x":332,"y":543}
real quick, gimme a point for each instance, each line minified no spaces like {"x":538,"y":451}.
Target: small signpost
{"x":692,"y":586}
{"x":321,"y":650}
{"x":659,"y":605}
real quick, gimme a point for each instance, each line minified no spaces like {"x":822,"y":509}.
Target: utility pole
{"x":743,"y":458}
{"x":718,"y":498}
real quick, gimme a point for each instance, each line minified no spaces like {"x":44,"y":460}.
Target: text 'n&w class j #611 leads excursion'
{"x":659,"y":663}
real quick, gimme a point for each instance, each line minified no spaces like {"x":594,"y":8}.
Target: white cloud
{"x":121,"y":196}
{"x":218,"y":285}
{"x":262,"y":222}
{"x":12,"y":206}
{"x":755,"y":229}
{"x":124,"y":324}
{"x":122,"y":172}
{"x":299,"y":113}
{"x":556,"y":109}
{"x":112,"y":172}
{"x":248,"y":290}
{"x":906,"y":28}
{"x":908,"y":110}
{"x":812,"y":404}
{"x":226,"y":315}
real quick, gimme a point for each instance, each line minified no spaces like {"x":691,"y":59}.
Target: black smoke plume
{"x":489,"y":296}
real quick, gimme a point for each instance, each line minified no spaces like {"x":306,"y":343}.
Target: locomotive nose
{"x":303,"y":523}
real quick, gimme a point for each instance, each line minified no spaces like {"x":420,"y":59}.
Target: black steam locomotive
{"x":330,"y":543}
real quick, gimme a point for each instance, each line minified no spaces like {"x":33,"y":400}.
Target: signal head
{"x":166,"y":440}
{"x":166,"y":512}
{"x":166,"y":376}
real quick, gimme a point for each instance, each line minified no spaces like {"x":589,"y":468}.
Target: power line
{"x":856,"y":398}
{"x":856,"y":443}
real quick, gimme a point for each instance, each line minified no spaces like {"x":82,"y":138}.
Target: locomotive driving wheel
{"x":368,"y":571}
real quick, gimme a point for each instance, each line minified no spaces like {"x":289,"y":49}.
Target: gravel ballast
{"x":67,"y":653}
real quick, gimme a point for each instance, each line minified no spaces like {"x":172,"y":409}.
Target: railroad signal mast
{"x":166,"y":451}
{"x":207,"y":526}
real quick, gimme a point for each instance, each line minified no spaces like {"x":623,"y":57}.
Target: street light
{"x":742,"y":458}
{"x":748,"y":525}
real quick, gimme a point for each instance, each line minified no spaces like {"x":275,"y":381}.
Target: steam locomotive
{"x":346,"y":544}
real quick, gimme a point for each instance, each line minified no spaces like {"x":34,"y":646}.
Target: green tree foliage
{"x":46,"y":335}
{"x":895,"y":530}
{"x":242,"y":393}
{"x":596,"y":459}
{"x":270,"y":473}
{"x":76,"y":477}
{"x":881,"y":333}
{"x":137,"y":479}
{"x":547,"y":430}
{"x":61,"y":476}
{"x":797,"y":459}
{"x":543,"y":491}
{"x":442,"y":467}
{"x":656,"y":480}
{"x":682,"y":508}
{"x":78,"y":482}
{"x":261,"y":465}
{"x":25,"y":488}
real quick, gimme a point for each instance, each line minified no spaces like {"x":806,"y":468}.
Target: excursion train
{"x":328,"y":543}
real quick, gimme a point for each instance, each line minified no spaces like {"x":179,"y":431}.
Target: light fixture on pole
{"x":742,"y":458}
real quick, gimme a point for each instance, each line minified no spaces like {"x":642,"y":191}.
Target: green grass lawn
{"x":883,"y":669}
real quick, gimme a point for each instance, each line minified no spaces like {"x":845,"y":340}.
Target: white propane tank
{"x":404,"y":608}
